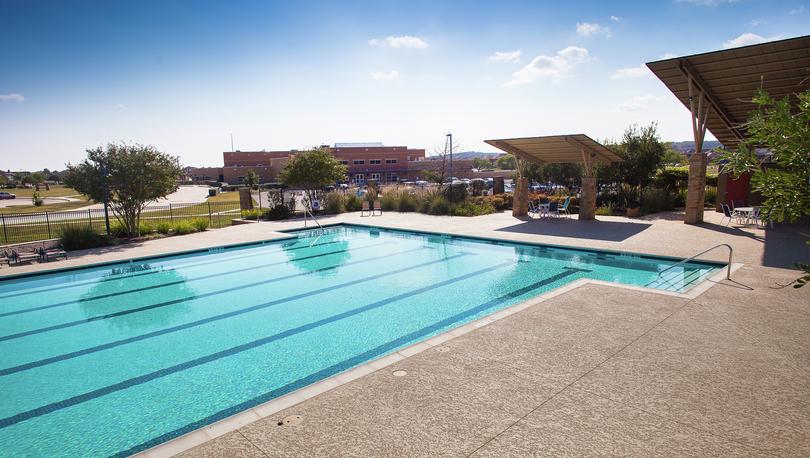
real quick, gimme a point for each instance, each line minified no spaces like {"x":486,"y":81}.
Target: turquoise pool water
{"x":114,"y":359}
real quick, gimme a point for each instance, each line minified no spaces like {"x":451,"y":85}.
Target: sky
{"x":186,"y":75}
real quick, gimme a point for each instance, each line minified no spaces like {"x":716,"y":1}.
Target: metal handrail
{"x":728,"y":268}
{"x":306,"y":210}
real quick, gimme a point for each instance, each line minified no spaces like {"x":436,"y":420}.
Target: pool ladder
{"x":728,"y":267}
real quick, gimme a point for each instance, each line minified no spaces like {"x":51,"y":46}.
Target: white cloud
{"x":11,"y":97}
{"x":506,"y":56}
{"x":121,"y":107}
{"x":708,"y":2}
{"x":405,"y":41}
{"x":615,"y":18}
{"x":632,"y":72}
{"x":748,"y":38}
{"x":756,"y":22}
{"x":385,"y":76}
{"x":668,"y":55}
{"x":555,"y":67}
{"x":638,"y":102}
{"x":798,"y":10}
{"x":589,"y":29}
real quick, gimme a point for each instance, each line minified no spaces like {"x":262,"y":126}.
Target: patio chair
{"x":533,"y":208}
{"x":5,"y":258}
{"x":564,"y":209}
{"x":736,"y":204}
{"x":730,"y":214}
{"x":377,"y":208}
{"x":365,"y":210}
{"x":554,"y":209}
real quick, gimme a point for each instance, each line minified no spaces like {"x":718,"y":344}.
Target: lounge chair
{"x":52,"y":253}
{"x":533,"y":209}
{"x":365,"y":209}
{"x":5,"y":258}
{"x":25,"y":256}
{"x":377,"y":208}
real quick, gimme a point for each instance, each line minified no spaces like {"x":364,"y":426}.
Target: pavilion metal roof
{"x":555,"y":149}
{"x":730,"y":78}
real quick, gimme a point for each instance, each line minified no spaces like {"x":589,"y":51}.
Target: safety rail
{"x":728,"y":267}
{"x":307,"y":211}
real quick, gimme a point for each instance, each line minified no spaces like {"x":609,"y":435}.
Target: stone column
{"x":587,"y":199}
{"x":696,"y":188}
{"x":520,"y":203}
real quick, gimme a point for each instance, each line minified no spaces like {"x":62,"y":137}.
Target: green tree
{"x":786,"y":133}
{"x":251,"y":179}
{"x":37,"y":177}
{"x":673,"y":157}
{"x":136,"y":175}
{"x":506,"y":162}
{"x":481,"y":163}
{"x":312,"y":170}
{"x":642,"y":154}
{"x":3,"y":180}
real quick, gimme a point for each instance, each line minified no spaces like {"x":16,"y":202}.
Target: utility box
{"x":497,"y":185}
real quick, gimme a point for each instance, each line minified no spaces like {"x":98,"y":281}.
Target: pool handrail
{"x":682,"y":261}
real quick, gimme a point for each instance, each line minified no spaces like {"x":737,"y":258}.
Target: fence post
{"x":90,"y":218}
{"x":48,"y":222}
{"x":171,"y":216}
{"x":210,"y":219}
{"x":5,"y":235}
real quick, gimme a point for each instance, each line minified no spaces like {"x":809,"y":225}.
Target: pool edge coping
{"x":234,"y":422}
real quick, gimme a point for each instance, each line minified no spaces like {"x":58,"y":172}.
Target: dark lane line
{"x":154,"y":306}
{"x":204,"y":277}
{"x":343,"y":365}
{"x":90,"y":395}
{"x":128,"y":340}
{"x":181,"y":266}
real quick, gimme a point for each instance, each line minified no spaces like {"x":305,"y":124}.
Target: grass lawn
{"x":232,"y":196}
{"x":61,"y":206}
{"x":55,"y":191}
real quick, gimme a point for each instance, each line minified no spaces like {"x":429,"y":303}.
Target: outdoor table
{"x":747,"y":212}
{"x":543,"y":209}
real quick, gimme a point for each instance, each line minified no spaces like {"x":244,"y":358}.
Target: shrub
{"x":183,"y":228}
{"x":251,"y":215}
{"x":81,"y":237}
{"x":144,"y":228}
{"x":407,"y":202}
{"x":163,"y":227}
{"x":439,"y":205}
{"x":605,"y":210}
{"x":334,"y":203}
{"x":35,"y":197}
{"x":278,"y":212}
{"x":456,"y":192}
{"x":710,"y":197}
{"x":353,"y":203}
{"x":200,"y":224}
{"x":654,"y":200}
{"x":118,"y":230}
{"x":389,"y":201}
{"x":473,"y":209}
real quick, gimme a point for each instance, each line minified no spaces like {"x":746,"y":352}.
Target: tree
{"x":251,"y":179}
{"x":785,"y":188}
{"x":481,"y":163}
{"x":673,"y":157}
{"x":312,"y":170}
{"x":507,"y":162}
{"x":136,"y":175}
{"x":37,"y":177}
{"x":642,"y":154}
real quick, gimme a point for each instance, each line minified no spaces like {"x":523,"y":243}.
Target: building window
{"x":359,"y":161}
{"x":375,"y":177}
{"x":240,"y":179}
{"x":359,"y":179}
{"x":392,"y":177}
{"x":344,"y":162}
{"x":390,"y":161}
{"x":374,"y":161}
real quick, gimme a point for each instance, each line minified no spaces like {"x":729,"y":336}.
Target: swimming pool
{"x":117,"y":358}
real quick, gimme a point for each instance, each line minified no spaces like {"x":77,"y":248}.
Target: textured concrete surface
{"x":597,"y":370}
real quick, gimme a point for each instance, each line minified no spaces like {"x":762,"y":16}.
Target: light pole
{"x":106,"y":196}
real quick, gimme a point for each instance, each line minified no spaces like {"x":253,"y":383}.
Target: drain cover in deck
{"x":291,"y":420}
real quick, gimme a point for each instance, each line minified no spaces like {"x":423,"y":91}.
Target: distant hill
{"x":689,"y":147}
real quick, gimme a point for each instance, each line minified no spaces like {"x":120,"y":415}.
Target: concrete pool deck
{"x":594,"y":369}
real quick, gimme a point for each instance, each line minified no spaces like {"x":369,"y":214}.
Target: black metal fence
{"x":28,"y":227}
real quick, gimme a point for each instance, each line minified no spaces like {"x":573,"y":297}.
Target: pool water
{"x":115,"y":359}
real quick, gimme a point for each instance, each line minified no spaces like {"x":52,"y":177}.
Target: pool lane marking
{"x":345,"y":364}
{"x":128,"y":340}
{"x":204,"y":277}
{"x":179,"y":300}
{"x":141,"y":379}
{"x":154,"y":271}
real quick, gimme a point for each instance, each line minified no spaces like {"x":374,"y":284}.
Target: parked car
{"x":7,"y":195}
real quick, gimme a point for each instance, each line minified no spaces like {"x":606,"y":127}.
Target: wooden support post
{"x":587,"y":200}
{"x":696,"y":188}
{"x":520,"y":203}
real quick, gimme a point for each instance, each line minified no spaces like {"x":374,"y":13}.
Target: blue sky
{"x":183,"y":76}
